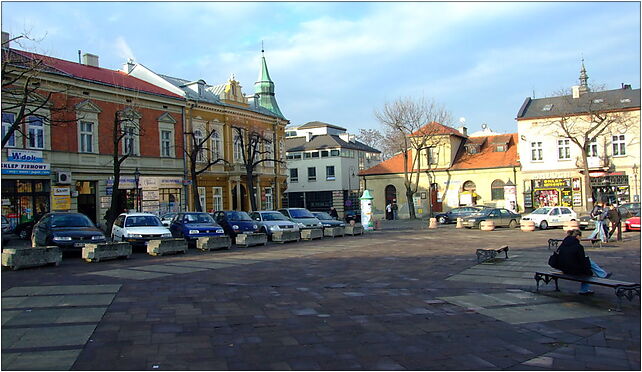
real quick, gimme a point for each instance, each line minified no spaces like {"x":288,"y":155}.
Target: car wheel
{"x":543,"y":225}
{"x":512,"y":224}
{"x":442,"y":220}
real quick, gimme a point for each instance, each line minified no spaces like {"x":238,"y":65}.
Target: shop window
{"x":169,"y":200}
{"x":563,"y":149}
{"x":497,"y":190}
{"x":619,"y":145}
{"x":36,"y":132}
{"x":536,"y":151}
{"x":7,"y":122}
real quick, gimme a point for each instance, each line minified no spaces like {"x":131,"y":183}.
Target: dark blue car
{"x":194,"y":225}
{"x":235,"y":222}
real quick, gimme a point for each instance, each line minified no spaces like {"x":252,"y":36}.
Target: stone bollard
{"x":31,"y":257}
{"x":527,"y":225}
{"x":487,"y":225}
{"x":460,"y":223}
{"x":208,"y":243}
{"x":95,"y":252}
{"x":433,"y":223}
{"x":571,"y":225}
{"x":159,"y":247}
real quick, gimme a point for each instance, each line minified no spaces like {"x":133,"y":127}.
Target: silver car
{"x":271,"y":221}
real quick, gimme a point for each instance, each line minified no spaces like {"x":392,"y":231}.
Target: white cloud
{"x":123,"y":49}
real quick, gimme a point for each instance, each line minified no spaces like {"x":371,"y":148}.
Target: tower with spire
{"x":264,"y":89}
{"x":583,"y":79}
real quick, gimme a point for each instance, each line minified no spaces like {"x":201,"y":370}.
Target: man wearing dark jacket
{"x":573,"y":260}
{"x":616,"y":222}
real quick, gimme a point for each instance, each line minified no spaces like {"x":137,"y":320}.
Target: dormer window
{"x":472,"y":148}
{"x":500,"y":148}
{"x":547,"y":107}
{"x":598,"y":100}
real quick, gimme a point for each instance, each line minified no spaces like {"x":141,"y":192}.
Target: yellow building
{"x":212,"y":112}
{"x":459,"y":170}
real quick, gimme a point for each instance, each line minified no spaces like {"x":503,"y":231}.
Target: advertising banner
{"x":61,"y":198}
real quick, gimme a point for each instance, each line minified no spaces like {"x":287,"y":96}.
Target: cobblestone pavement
{"x":401,"y":298}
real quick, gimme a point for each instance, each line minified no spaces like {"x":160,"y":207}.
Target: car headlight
{"x":342,"y":225}
{"x":301,"y":225}
{"x":275,"y":227}
{"x":220,"y":231}
{"x":166,"y":235}
{"x":235,"y":227}
{"x":193,"y":232}
{"x":97,"y":237}
{"x":255,"y":227}
{"x":134,"y":236}
{"x":326,"y":225}
{"x":62,"y":238}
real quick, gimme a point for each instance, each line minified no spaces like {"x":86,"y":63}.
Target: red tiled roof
{"x":436,"y":128}
{"x":100,"y":75}
{"x":487,"y":157}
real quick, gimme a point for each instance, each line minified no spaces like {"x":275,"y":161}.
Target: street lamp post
{"x":636,"y":197}
{"x":137,"y":179}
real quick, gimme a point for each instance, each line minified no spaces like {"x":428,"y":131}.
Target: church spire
{"x":264,"y":88}
{"x":583,"y":79}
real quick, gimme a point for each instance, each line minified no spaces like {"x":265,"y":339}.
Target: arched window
{"x":216,"y":146}
{"x":469,"y":186}
{"x":497,"y":190}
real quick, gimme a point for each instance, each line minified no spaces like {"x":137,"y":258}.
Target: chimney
{"x":5,"y":39}
{"x":626,"y":86}
{"x":576,"y":91}
{"x":129,"y":66}
{"x":463,"y":131}
{"x":308,"y":136}
{"x":90,"y":60}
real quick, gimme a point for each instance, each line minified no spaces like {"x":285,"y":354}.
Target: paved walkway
{"x":401,"y":298}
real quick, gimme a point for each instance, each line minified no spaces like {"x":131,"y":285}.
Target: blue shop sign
{"x":24,"y":156}
{"x":25,"y":168}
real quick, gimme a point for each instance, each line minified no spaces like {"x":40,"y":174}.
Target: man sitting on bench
{"x":572,"y":260}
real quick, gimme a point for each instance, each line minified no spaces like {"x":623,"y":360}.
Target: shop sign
{"x":170,"y":182}
{"x":150,"y":195}
{"x":61,"y":198}
{"x":26,"y":168}
{"x":148,"y":183}
{"x":150,"y":203}
{"x":556,"y":182}
{"x":125,"y":183}
{"x":6,"y":202}
{"x":577,"y":199}
{"x":24,"y":156}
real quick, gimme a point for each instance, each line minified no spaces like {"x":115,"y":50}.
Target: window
{"x":198,"y":139}
{"x":312,"y":173}
{"x":238,"y":149}
{"x":565,"y":211}
{"x":591,"y":149}
{"x":563,"y":149}
{"x":294,"y":175}
{"x":294,"y":155}
{"x":555,"y":212}
{"x":201,"y":197}
{"x":547,"y":107}
{"x":86,"y":136}
{"x":500,"y":148}
{"x":217,"y":198}
{"x":324,"y":153}
{"x":7,"y":122}
{"x":216,"y":147}
{"x":536,"y":151}
{"x":497,"y":190}
{"x":619,"y":145}
{"x":36,"y":132}
{"x":129,"y":143}
{"x":166,"y":143}
{"x":269,"y":154}
{"x":269,"y":199}
{"x":315,"y":154}
{"x":307,"y":155}
{"x":433,"y":156}
{"x":334,"y":152}
{"x":329,"y":173}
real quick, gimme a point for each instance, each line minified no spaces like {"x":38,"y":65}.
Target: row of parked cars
{"x":543,"y":217}
{"x":71,"y":231}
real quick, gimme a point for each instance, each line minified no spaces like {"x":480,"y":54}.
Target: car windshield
{"x":541,"y":211}
{"x":71,"y":220}
{"x":483,"y":212}
{"x":238,"y":216}
{"x":198,"y":218}
{"x":322,"y":216}
{"x":136,"y":221}
{"x":168,"y":216}
{"x":273,"y":216}
{"x":300,"y":213}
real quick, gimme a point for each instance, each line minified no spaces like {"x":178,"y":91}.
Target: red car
{"x":633,"y":224}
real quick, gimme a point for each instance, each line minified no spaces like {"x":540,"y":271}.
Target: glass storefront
{"x":24,"y":200}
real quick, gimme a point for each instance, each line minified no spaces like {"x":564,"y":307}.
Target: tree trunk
{"x":196,"y":200}
{"x":114,"y":209}
{"x":588,"y":195}
{"x":250,"y":188}
{"x":411,"y":203}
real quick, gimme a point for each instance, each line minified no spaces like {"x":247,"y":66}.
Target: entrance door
{"x":235,"y":202}
{"x":87,"y":199}
{"x":391,"y":194}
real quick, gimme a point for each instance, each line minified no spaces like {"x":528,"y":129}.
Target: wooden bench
{"x":489,"y":254}
{"x":554,"y":243}
{"x":622,"y":289}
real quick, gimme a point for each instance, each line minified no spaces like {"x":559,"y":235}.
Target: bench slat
{"x":588,"y":279}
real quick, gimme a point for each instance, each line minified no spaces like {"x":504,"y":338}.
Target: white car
{"x":546,"y":217}
{"x":138,"y":228}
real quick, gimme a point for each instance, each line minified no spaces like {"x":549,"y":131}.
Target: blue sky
{"x":337,"y":62}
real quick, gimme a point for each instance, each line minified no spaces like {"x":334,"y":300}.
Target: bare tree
{"x":201,"y":157}
{"x":24,"y":92}
{"x":589,"y":120}
{"x":257,"y":147}
{"x":413,"y":126}
{"x":375,"y":139}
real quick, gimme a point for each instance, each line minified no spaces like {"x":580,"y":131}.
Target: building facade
{"x":64,"y":162}
{"x":213,"y":112}
{"x":458,"y":171}
{"x":323,"y":163}
{"x":552,"y":164}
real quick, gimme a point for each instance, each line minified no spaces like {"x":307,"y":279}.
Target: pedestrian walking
{"x":573,"y":260}
{"x":389,"y":211}
{"x":333,"y":213}
{"x":394,"y":209}
{"x":598,"y":213}
{"x":616,"y":222}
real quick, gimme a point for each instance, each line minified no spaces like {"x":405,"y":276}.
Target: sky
{"x":338,"y":62}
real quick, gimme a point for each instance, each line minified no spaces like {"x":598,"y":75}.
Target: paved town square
{"x":401,"y":298}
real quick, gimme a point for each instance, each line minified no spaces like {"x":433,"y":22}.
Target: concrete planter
{"x":527,"y":225}
{"x":105,"y":251}
{"x":248,"y":240}
{"x":309,"y":234}
{"x":31,"y":257}
{"x":159,"y":247}
{"x":334,"y":231}
{"x":213,"y":242}
{"x":285,"y":236}
{"x":571,"y":225}
{"x":354,"y":230}
{"x":487,"y":225}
